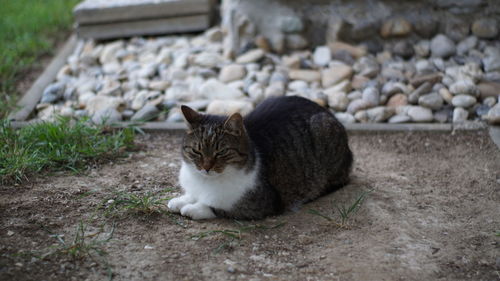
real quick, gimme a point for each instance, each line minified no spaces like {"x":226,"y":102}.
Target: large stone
{"x":53,"y":92}
{"x":291,"y":24}
{"x":108,"y":53}
{"x":276,"y":89}
{"x":460,"y":115}
{"x":251,"y":56}
{"x":338,"y":101}
{"x":179,"y":91}
{"x":214,"y":89}
{"x":397,"y":100}
{"x":345,"y":118}
{"x":367,"y":66}
{"x":357,"y":105}
{"x":354,"y":51}
{"x":492,"y":63}
{"x":442,"y":46}
{"x":231,"y":73}
{"x":391,"y":88}
{"x":466,"y":45}
{"x":322,"y":55}
{"x":421,"y":90}
{"x":97,"y":103}
{"x":395,"y":27}
{"x":400,"y":118}
{"x":464,"y":101}
{"x":433,"y":101}
{"x":227,"y":107}
{"x":464,"y":87}
{"x":334,"y":74}
{"x":106,"y":116}
{"x":420,"y":114}
{"x":208,"y":59}
{"x":305,"y":74}
{"x":489,"y":89}
{"x":146,"y":113}
{"x":379,"y":114}
{"x":296,"y":42}
{"x":371,"y":95}
{"x":493,"y":115}
{"x":292,"y":62}
{"x":485,"y":28}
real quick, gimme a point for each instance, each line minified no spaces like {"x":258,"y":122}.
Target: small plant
{"x":148,"y":203}
{"x":62,"y":145}
{"x":233,"y":235}
{"x":345,"y":211}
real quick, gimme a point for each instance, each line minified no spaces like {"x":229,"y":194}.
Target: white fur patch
{"x":202,"y":190}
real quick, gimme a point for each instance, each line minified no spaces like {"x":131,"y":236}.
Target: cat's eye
{"x":222,"y":153}
{"x":191,"y":151}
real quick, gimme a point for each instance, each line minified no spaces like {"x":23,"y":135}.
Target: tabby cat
{"x":288,"y":151}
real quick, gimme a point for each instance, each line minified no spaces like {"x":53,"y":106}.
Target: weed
{"x":147,"y":204}
{"x":345,"y":211}
{"x":233,"y":235}
{"x":61,"y":145}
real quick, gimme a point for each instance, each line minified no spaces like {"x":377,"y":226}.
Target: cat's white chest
{"x":219,"y":191}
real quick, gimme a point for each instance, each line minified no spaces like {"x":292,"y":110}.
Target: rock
{"x":443,"y":115}
{"x":108,"y":53}
{"x":276,"y":89}
{"x":304,"y":74}
{"x":424,"y":67}
{"x":338,"y":101}
{"x":342,"y":86}
{"x":397,"y":100}
{"x":232,"y":72}
{"x":485,"y":28}
{"x":277,"y":41}
{"x":49,"y":113}
{"x":354,"y":95}
{"x":422,"y":48}
{"x":493,"y":115}
{"x":295,"y":42}
{"x":146,"y":113}
{"x":345,"y":118}
{"x":391,"y":88}
{"x":251,"y":56}
{"x":228,"y":107}
{"x":460,"y":115}
{"x":371,"y":95}
{"x":292,"y":62}
{"x":357,"y":105}
{"x":213,"y":89}
{"x":361,"y":116}
{"x":489,"y":89}
{"x":395,"y":27}
{"x":457,"y":28}
{"x":464,"y":87}
{"x":291,"y":24}
{"x":482,"y":110}
{"x":367,"y":66}
{"x":214,"y":34}
{"x":379,"y":114}
{"x":334,"y":74}
{"x":446,"y":95}
{"x":490,"y":101}
{"x":421,"y":90}
{"x":403,"y":49}
{"x":464,"y":101}
{"x":420,"y":114}
{"x":400,"y":118}
{"x":158,"y":85}
{"x":262,"y":43}
{"x":67,"y":111}
{"x":421,"y":79}
{"x":53,"y":92}
{"x":207,"y":59}
{"x":322,"y":55}
{"x":433,"y":101}
{"x":106,"y":116}
{"x":198,"y":104}
{"x":144,"y":97}
{"x":279,"y":76}
{"x":467,"y":44}
{"x":354,"y":51}
{"x":97,"y":103}
{"x":491,"y":63}
{"x":359,"y":82}
{"x":442,"y":46}
{"x":179,"y":91}
{"x":298,"y":86}
{"x":147,"y":71}
{"x":175,"y":116}
{"x":256,"y":92}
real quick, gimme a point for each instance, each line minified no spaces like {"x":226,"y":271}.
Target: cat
{"x":286,"y":152}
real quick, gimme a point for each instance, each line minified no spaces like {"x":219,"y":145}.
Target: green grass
{"x":345,"y":212}
{"x":29,"y":29}
{"x":147,"y":204}
{"x":61,"y":145}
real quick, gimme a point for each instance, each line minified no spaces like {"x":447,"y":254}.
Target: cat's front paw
{"x":197,"y":211}
{"x":175,"y":205}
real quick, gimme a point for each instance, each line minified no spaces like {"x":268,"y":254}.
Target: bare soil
{"x":433,"y":214}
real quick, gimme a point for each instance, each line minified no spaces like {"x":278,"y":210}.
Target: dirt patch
{"x":432,"y":215}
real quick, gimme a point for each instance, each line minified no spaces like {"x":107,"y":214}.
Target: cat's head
{"x":212,"y":143}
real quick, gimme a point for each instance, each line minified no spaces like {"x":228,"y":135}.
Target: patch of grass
{"x":28,"y":30}
{"x":345,"y":212}
{"x":62,"y":145}
{"x":84,"y":245}
{"x":232,"y":235}
{"x":146,"y":204}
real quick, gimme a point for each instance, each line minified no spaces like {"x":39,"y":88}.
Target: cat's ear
{"x":234,"y":125}
{"x":192,"y":117}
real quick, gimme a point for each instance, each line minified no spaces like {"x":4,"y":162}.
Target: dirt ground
{"x":433,"y":214}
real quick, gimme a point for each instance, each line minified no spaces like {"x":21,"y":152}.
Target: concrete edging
{"x":29,"y":101}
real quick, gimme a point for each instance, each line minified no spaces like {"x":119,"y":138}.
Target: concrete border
{"x":29,"y":101}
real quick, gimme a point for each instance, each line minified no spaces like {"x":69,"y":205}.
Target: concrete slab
{"x":145,"y":27}
{"x":495,"y":135}
{"x":106,"y":11}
